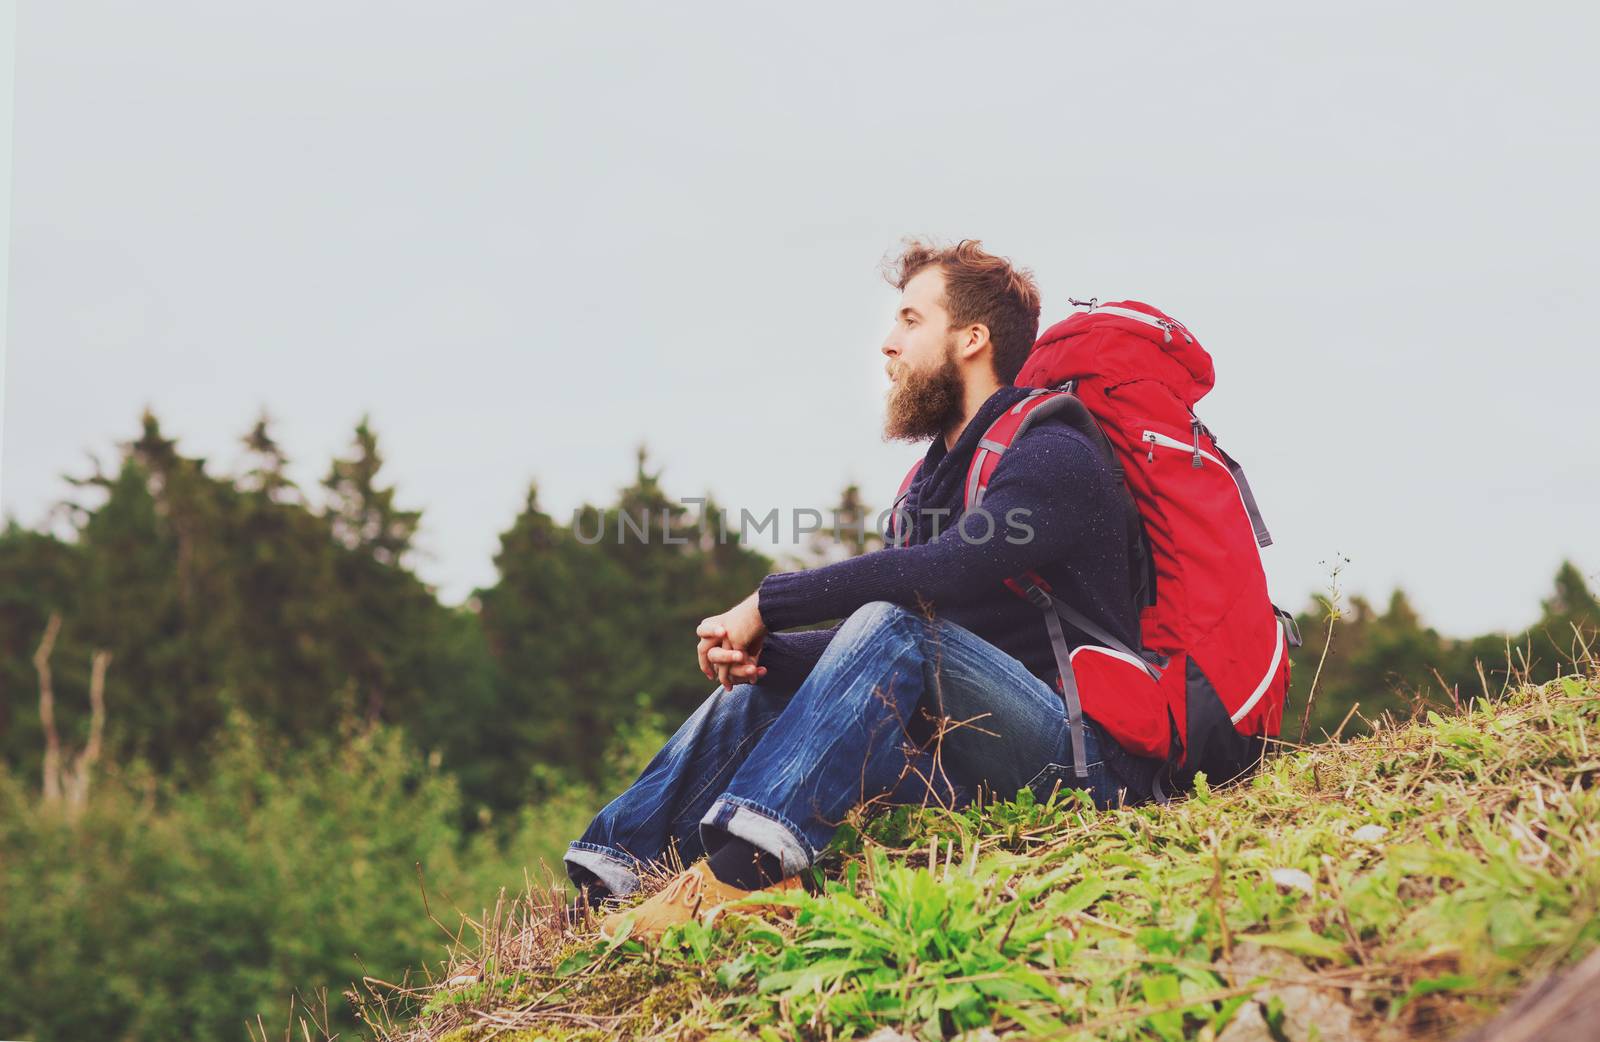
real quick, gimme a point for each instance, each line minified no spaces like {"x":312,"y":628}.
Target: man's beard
{"x":923,"y":404}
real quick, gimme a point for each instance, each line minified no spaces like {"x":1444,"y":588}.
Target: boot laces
{"x":687,"y":886}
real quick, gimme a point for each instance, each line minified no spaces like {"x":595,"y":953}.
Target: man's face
{"x":925,"y":391}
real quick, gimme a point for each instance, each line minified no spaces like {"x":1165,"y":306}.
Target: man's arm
{"x":788,"y":658}
{"x":1051,"y":494}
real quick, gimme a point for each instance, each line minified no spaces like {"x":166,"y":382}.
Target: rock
{"x":1369,"y":833}
{"x":1293,"y":879}
{"x":1304,"y":1005}
{"x":1247,"y":1025}
{"x":1252,"y":959}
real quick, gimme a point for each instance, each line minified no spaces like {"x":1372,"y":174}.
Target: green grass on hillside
{"x":1401,"y":885}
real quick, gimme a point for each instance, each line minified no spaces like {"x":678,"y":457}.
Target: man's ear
{"x":974,"y":340}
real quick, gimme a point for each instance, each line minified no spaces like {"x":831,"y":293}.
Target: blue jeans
{"x":782,"y":769}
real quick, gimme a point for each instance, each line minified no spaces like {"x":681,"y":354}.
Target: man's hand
{"x":730,"y":643}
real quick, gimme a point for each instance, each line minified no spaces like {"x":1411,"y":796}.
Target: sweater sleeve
{"x":1051,"y":494}
{"x":790,"y":657}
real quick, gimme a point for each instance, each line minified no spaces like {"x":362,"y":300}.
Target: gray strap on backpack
{"x":1069,"y":695}
{"x":1055,"y":606}
{"x":1055,"y":610}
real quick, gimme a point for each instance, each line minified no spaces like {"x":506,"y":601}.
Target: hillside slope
{"x":1402,"y":885}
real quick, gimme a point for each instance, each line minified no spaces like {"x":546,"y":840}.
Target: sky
{"x":526,"y":238}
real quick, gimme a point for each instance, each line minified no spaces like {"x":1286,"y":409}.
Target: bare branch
{"x":77,"y":779}
{"x":47,"y":711}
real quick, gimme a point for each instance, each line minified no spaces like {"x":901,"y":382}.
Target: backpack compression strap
{"x":1039,"y":405}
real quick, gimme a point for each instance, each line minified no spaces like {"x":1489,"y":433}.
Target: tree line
{"x":240,"y":738}
{"x":192,"y":594}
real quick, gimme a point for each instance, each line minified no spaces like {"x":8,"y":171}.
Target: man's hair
{"x":980,"y":288}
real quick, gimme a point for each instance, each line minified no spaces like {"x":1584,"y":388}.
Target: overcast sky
{"x":526,"y":237}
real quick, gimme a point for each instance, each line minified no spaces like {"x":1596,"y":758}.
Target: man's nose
{"x":890,"y":348}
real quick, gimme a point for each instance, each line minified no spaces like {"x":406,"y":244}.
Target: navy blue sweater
{"x":1073,"y":506}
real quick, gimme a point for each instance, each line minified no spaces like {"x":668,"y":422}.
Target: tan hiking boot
{"x":693,"y":892}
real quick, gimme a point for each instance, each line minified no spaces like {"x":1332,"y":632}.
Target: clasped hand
{"x":730,"y":644}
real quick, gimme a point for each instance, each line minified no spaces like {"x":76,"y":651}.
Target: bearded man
{"x":938,"y":686}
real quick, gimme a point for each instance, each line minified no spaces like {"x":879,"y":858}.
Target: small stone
{"x":888,"y":1035}
{"x":1293,"y":879}
{"x":1369,"y":833}
{"x":1247,"y":1025}
{"x":1306,"y":1007}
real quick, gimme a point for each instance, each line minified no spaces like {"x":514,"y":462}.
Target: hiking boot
{"x":694,"y":892}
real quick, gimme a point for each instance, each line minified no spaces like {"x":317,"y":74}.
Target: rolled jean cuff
{"x":764,"y":829}
{"x":616,"y":871}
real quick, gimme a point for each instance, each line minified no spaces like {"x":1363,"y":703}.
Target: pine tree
{"x":586,"y":618}
{"x":268,"y":472}
{"x":388,"y":614}
{"x":1570,"y":621}
{"x":363,"y":513}
{"x":849,"y":529}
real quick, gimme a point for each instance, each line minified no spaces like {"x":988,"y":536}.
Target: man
{"x":939,"y":684}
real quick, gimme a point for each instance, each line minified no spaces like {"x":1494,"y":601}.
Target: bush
{"x":168,"y":913}
{"x":180,"y":915}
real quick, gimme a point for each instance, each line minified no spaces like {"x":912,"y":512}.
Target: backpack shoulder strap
{"x":1063,"y":403}
{"x":900,"y":497}
{"x":1042,"y":404}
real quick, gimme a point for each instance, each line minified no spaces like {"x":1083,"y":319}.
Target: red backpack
{"x":1207,"y":685}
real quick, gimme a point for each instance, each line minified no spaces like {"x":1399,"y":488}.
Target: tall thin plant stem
{"x":1334,"y":615}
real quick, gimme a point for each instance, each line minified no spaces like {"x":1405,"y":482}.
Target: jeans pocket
{"x":1056,"y":777}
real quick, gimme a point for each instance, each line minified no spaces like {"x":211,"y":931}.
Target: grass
{"x":1400,"y":885}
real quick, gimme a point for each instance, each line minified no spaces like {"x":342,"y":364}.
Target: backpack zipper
{"x":1166,"y":441}
{"x":1170,"y":326}
{"x":1167,"y":326}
